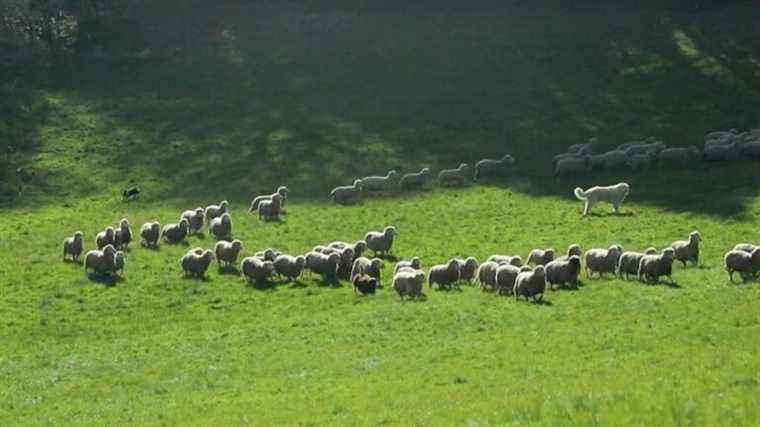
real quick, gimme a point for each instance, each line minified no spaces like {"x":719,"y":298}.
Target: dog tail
{"x":579,"y":194}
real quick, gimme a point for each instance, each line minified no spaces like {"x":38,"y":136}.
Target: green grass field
{"x":312,"y":107}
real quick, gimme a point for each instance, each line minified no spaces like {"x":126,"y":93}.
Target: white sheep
{"x":370,"y":267}
{"x":409,"y":283}
{"x":105,"y":237}
{"x":745,"y":263}
{"x":196,"y":262}
{"x":628,"y":263}
{"x":221,"y":227}
{"x":271,"y":209}
{"x":491,"y":167}
{"x":506,"y":275}
{"x":573,"y":249}
{"x":531,"y":284}
{"x":417,"y":180}
{"x":119,"y":260}
{"x":468,"y":268}
{"x":324,"y":265}
{"x":444,"y":275}
{"x":746,"y":247}
{"x":175,"y":233}
{"x":721,"y":152}
{"x":150,"y":233}
{"x":414,"y":263}
{"x":378,"y":183}
{"x":611,"y":160}
{"x":573,"y":166}
{"x":487,"y":275}
{"x":651,"y":267}
{"x":540,"y":256}
{"x":73,"y":246}
{"x":123,"y":236}
{"x":602,"y":260}
{"x":560,"y":272}
{"x":347,"y":194}
{"x":100,"y":261}
{"x":688,"y":250}
{"x":195,"y":219}
{"x":381,"y":243}
{"x":289,"y":266}
{"x":282,"y":191}
{"x":267,"y":254}
{"x":227,"y":252}
{"x":255,"y":270}
{"x":214,"y":211}
{"x":506,"y":259}
{"x":358,"y":247}
{"x":679,"y":156}
{"x":456,"y":176}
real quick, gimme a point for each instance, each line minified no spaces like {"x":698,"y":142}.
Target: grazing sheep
{"x":409,"y":283}
{"x":487,"y":275}
{"x":255,"y":270}
{"x":456,"y":176}
{"x":365,"y":284}
{"x":324,"y":265}
{"x":506,"y":259}
{"x":378,"y":183}
{"x":679,"y":156}
{"x":745,"y":263}
{"x":214,"y":211}
{"x":175,"y":233}
{"x":150,"y":233}
{"x":366,"y":266}
{"x":651,"y":267}
{"x":105,"y":237}
{"x":531,"y":284}
{"x":641,"y":162}
{"x":282,"y":191}
{"x":490,"y":167}
{"x":602,"y":260}
{"x":415,"y":180}
{"x":628,"y":263}
{"x":751,"y":150}
{"x":688,"y":250}
{"x":611,"y":160}
{"x":123,"y":236}
{"x":347,"y":194}
{"x":468,"y":268}
{"x":288,"y":266}
{"x":100,"y":261}
{"x":506,"y":275}
{"x":271,"y":209}
{"x":560,"y":272}
{"x":444,"y":275}
{"x":196,"y":262}
{"x":721,"y":152}
{"x":221,"y":227}
{"x":73,"y":246}
{"x":573,"y":166}
{"x":227,"y":252}
{"x":268,"y":254}
{"x":541,"y":257}
{"x":119,"y":259}
{"x":644,"y":149}
{"x":613,"y":194}
{"x":414,"y":263}
{"x":379,"y":242}
{"x":195,"y":219}
{"x":746,"y":247}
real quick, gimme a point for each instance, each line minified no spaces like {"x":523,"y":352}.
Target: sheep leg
{"x":586,"y":208}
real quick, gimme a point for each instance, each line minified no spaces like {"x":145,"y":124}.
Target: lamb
{"x":271,"y":209}
{"x":214,"y":211}
{"x":415,"y":180}
{"x":490,"y":167}
{"x":118,"y":262}
{"x":324,"y":265}
{"x":282,"y":191}
{"x":378,"y":183}
{"x":409,"y":283}
{"x":288,"y":266}
{"x":506,"y":259}
{"x":487,"y":275}
{"x":227,"y":252}
{"x":468,"y":268}
{"x":196,"y":262}
{"x":100,"y":261}
{"x":255,"y":270}
{"x":541,"y":257}
{"x":366,"y":266}
{"x":573,"y":166}
{"x":688,"y":250}
{"x":123,"y":236}
{"x":381,"y":242}
{"x":365,"y":284}
{"x":150,"y":233}
{"x":105,"y":237}
{"x":414,"y":263}
{"x":73,"y":246}
{"x":194,"y":219}
{"x":560,"y":272}
{"x":505,"y":278}
{"x":346,"y":194}
{"x":444,"y":275}
{"x":745,"y":263}
{"x":746,"y":247}
{"x":530,"y":284}
{"x":602,"y":260}
{"x":651,"y":267}
{"x":175,"y":233}
{"x":628,"y":263}
{"x":453,"y":176}
{"x":613,"y":194}
{"x":679,"y":156}
{"x":221,"y":227}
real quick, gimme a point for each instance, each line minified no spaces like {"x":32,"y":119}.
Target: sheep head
{"x":574,"y":249}
{"x":184,"y":225}
{"x":650,"y":251}
{"x":390,"y":231}
{"x":668,"y":253}
{"x":376,"y":263}
{"x":574,"y":260}
{"x":516,"y":261}
{"x":695,"y":237}
{"x":124,"y":224}
{"x":507,"y":159}
{"x":416,"y":263}
{"x":539,"y":271}
{"x":78,"y":236}
{"x":300,"y":261}
{"x":225,"y":218}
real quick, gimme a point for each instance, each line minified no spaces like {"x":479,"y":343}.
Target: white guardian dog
{"x":613,"y":194}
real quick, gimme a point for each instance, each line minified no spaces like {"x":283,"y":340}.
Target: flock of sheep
{"x":719,"y":146}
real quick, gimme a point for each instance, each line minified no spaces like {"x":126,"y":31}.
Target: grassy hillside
{"x":312,"y":97}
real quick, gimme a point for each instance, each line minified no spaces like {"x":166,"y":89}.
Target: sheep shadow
{"x":228,"y":270}
{"x":447,"y":289}
{"x":107,"y":280}
{"x":262,"y":285}
{"x":330,"y":282}
{"x":203,"y":278}
{"x":78,"y":262}
{"x":199,"y":236}
{"x":609,"y":214}
{"x":297,"y":284}
{"x":387,"y":257}
{"x":153,"y":248}
{"x":418,"y":299}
